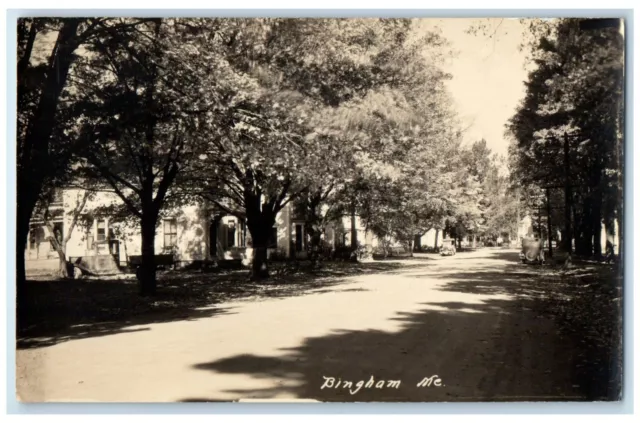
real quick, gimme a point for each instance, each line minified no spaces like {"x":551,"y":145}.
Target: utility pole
{"x":549,"y":222}
{"x":354,"y":229}
{"x":568,"y":235}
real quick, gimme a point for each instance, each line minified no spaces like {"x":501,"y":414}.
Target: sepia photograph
{"x":217,"y":209}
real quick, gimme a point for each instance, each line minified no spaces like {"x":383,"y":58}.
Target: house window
{"x":231,"y":234}
{"x":243,"y":234}
{"x":57,"y":200}
{"x":170,"y":233}
{"x":101,"y":235}
{"x":273,"y":238}
{"x":100,"y":243}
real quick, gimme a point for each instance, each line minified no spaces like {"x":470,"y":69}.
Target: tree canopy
{"x":339,"y":117}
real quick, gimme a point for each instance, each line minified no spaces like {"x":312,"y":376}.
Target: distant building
{"x":432,"y":238}
{"x":525,"y":228}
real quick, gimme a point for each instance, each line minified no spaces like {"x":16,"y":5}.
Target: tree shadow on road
{"x":62,"y":310}
{"x":59,"y":311}
{"x":427,"y":343}
{"x":516,"y":334}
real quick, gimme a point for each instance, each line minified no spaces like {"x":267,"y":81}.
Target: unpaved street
{"x":470,"y":319}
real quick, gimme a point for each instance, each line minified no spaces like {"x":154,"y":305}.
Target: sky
{"x":488,"y":75}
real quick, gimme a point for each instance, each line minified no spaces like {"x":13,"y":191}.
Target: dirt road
{"x":467,"y":327}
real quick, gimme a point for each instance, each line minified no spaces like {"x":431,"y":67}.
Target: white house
{"x":192,"y":233}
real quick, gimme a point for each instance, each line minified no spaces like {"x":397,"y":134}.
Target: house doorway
{"x":213,"y":237}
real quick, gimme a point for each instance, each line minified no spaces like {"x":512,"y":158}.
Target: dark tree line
{"x":568,"y":131}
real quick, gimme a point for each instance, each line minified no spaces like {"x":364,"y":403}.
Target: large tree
{"x":47,"y":54}
{"x":39,"y":88}
{"x":401,"y":138}
{"x":144,"y":99}
{"x":289,"y":74}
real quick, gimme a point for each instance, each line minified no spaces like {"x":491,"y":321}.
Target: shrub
{"x":278,"y":255}
{"x":346,"y":253}
{"x":323,"y":251}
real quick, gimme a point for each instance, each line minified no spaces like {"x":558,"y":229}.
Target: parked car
{"x":532,"y":251}
{"x":448,"y":247}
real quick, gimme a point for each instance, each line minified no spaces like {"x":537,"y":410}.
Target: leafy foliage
{"x":303,"y":81}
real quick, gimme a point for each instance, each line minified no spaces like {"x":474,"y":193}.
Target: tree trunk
{"x":314,"y":226}
{"x":620,"y":220}
{"x":618,"y":237}
{"x":22,"y":236}
{"x":60,"y":246}
{"x":147,"y":272}
{"x":259,"y":222}
{"x":575,"y":231}
{"x":20,"y":270}
{"x":259,"y":268}
{"x":37,"y":138}
{"x":567,"y":236}
{"x":260,"y":238}
{"x":587,"y":229}
{"x":609,"y":230}
{"x":33,"y":152}
{"x":435,"y":243}
{"x":578,"y":228}
{"x":417,"y":243}
{"x":315,"y":235}
{"x":549,"y":229}
{"x":354,"y":230}
{"x":63,"y":265}
{"x":23,"y":63}
{"x":596,"y":222}
{"x":585,"y":245}
{"x":124,"y":246}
